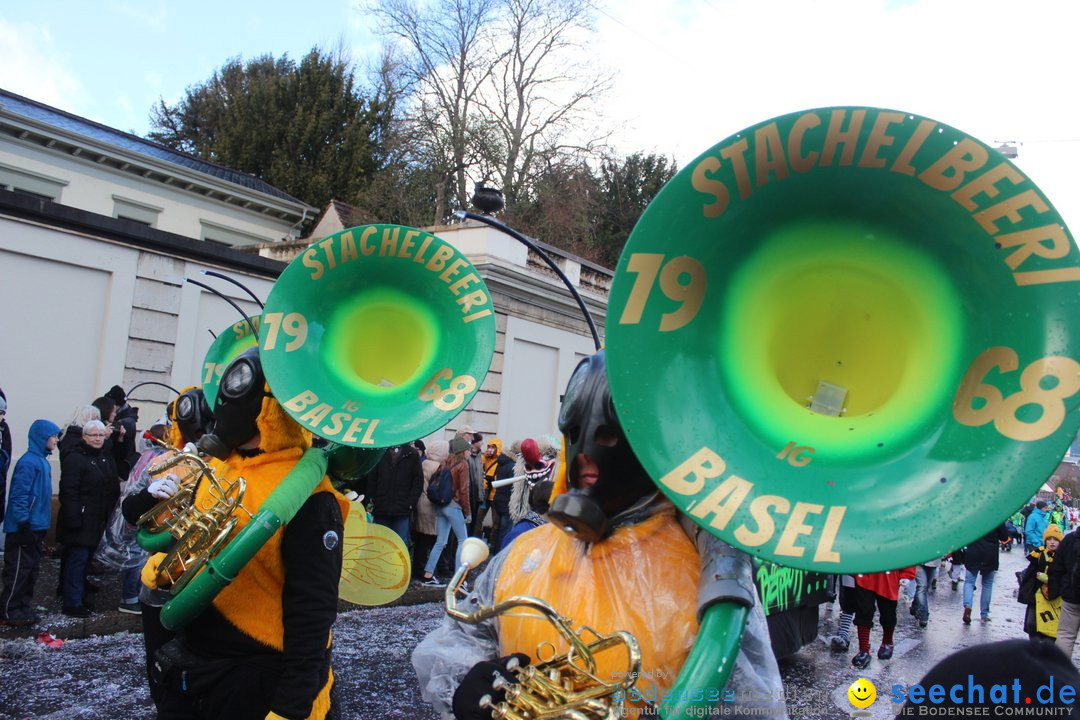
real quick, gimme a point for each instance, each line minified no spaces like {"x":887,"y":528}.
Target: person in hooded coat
{"x":1034,"y":525}
{"x":28,"y":517}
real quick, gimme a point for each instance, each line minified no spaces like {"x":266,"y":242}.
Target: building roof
{"x":46,"y":115}
{"x":347,"y":216}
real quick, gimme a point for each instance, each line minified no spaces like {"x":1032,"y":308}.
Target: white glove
{"x":164,"y":488}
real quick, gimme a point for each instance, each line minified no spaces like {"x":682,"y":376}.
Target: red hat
{"x":530,"y":451}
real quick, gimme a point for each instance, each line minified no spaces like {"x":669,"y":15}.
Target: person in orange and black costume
{"x":262,"y":648}
{"x":190,"y":418}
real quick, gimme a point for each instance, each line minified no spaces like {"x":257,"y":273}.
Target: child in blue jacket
{"x":29,"y":514}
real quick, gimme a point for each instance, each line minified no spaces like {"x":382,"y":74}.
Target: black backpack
{"x":1029,"y":585}
{"x":440,"y":489}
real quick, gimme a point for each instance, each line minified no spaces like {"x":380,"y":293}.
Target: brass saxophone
{"x":198,"y":528}
{"x":559,"y":686}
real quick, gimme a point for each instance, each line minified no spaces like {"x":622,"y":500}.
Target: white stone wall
{"x":80,"y":314}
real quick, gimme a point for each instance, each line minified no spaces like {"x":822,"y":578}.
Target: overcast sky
{"x":689,"y":72}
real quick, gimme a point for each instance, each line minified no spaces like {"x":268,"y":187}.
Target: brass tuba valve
{"x":561,"y":685}
{"x":200,"y":527}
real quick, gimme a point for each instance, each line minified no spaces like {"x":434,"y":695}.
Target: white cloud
{"x":35,"y":67}
{"x":144,"y":13}
{"x":695,"y":72}
{"x":689,"y":79}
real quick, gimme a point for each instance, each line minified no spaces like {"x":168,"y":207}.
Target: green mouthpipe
{"x":275,"y":511}
{"x":153,"y":542}
{"x":709,"y":664}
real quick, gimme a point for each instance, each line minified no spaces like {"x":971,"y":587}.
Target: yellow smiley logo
{"x":862,"y":693}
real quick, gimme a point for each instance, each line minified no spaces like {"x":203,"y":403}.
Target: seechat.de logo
{"x":973,"y":693}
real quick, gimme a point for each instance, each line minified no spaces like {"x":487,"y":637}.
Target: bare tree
{"x":449,"y":57}
{"x":495,"y":86}
{"x":545,"y":83}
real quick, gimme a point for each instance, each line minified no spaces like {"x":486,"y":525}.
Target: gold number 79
{"x":293,"y":324}
{"x":690,"y":294}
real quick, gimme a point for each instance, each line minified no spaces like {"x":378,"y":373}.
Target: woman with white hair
{"x":73,"y":431}
{"x":71,"y":438}
{"x":88,"y":492}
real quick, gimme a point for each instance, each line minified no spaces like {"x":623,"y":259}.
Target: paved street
{"x":101,"y":676}
{"x":817,"y":673}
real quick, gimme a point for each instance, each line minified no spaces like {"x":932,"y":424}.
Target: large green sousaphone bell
{"x":846,"y":339}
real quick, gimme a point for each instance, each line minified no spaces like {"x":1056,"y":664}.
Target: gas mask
{"x":193,"y":416}
{"x":239,"y":402}
{"x":604,"y":477}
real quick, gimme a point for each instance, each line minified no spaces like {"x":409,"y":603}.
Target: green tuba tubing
{"x":710,"y":662}
{"x":153,"y":542}
{"x":276,"y":510}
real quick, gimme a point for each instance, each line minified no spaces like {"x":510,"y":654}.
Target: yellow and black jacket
{"x":279,"y":610}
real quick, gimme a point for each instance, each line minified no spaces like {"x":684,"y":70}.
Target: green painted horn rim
{"x":226,"y":347}
{"x":746,"y":272}
{"x":377,"y":335}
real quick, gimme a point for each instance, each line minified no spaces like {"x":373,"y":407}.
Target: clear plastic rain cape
{"x":644,"y":578}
